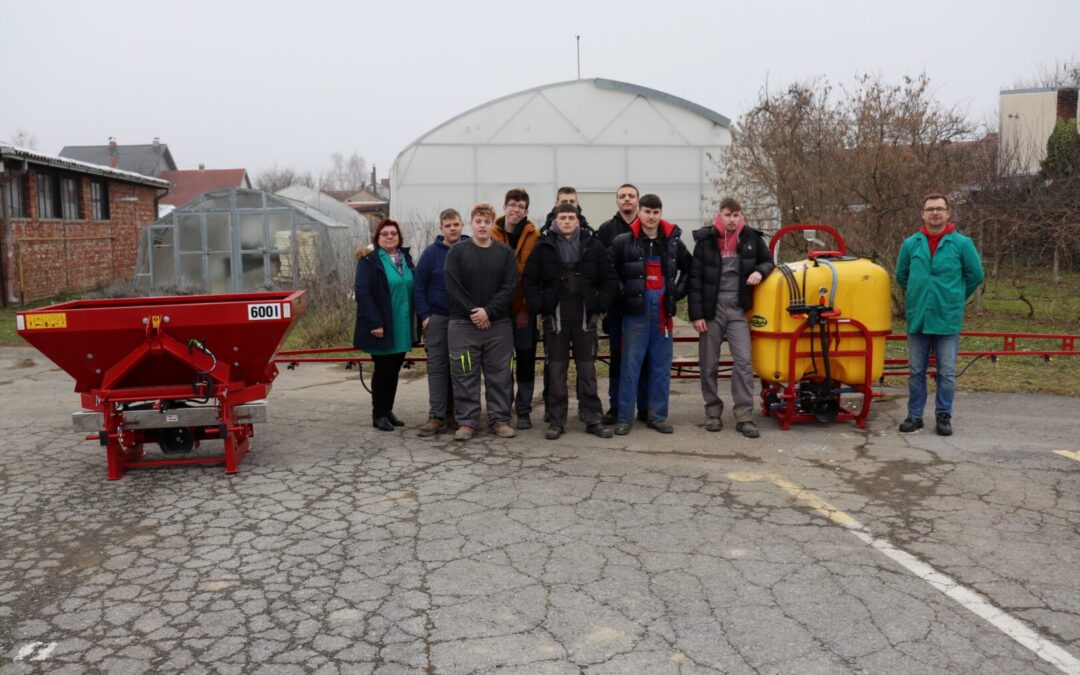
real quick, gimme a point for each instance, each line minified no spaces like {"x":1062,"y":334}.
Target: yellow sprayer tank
{"x":862,"y":294}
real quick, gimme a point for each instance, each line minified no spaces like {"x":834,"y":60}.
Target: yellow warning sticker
{"x":54,"y":320}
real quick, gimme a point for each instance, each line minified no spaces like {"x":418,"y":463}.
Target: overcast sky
{"x":248,"y":84}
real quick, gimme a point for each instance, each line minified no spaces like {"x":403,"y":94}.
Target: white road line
{"x":1068,"y":453}
{"x":972,"y":600}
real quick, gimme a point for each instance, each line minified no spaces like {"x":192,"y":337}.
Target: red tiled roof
{"x":191,"y":184}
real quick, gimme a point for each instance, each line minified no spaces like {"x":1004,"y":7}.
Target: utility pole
{"x":578,"y":39}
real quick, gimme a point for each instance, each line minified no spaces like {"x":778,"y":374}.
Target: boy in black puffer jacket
{"x":569,"y":280}
{"x":729,"y":260}
{"x":653,"y":266}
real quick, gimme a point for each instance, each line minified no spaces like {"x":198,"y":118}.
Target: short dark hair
{"x":517,"y":195}
{"x":383,"y":224}
{"x":731,"y":204}
{"x":448,"y":214}
{"x":650,"y":201}
{"x":937,"y":195}
{"x":565,"y":190}
{"x":631,"y":186}
{"x":566,"y":207}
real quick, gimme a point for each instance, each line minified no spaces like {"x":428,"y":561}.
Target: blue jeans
{"x":613,"y":325}
{"x":944,"y":348}
{"x":642,"y":334}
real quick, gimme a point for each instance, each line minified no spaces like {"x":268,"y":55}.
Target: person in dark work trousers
{"x":385,"y":321}
{"x":729,"y":260}
{"x":653,"y":266}
{"x":567,"y":194}
{"x":433,"y":309}
{"x":516,"y":231}
{"x":626,"y":202}
{"x":480,"y":279}
{"x":570,"y":281}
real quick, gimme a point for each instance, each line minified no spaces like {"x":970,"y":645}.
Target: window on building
{"x":99,"y":199}
{"x":15,"y":192}
{"x":48,"y":195}
{"x":70,"y":199}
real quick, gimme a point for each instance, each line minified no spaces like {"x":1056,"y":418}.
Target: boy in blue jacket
{"x":433,"y":308}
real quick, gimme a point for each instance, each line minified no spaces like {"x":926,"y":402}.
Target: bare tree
{"x":858,"y":159}
{"x":1063,"y":72}
{"x":24,"y":139}
{"x":275,"y":178}
{"x":1030,"y":219}
{"x":345,"y":173}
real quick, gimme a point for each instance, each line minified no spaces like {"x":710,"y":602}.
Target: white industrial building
{"x":1026,"y":120}
{"x":592,"y":134}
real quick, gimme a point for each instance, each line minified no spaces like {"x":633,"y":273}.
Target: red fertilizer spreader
{"x":174,"y":370}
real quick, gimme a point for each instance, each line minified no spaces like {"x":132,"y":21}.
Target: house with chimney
{"x":148,"y":160}
{"x":68,"y":225}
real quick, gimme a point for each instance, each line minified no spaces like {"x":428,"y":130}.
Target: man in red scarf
{"x":729,"y":260}
{"x":938,"y":268}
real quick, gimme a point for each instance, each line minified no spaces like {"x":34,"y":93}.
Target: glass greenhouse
{"x":241,"y":240}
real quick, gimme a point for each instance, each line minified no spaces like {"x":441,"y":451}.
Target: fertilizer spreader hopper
{"x":174,"y":371}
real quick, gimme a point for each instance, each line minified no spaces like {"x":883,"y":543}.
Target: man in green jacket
{"x":939,"y":269}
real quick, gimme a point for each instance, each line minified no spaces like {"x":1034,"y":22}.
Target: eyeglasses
{"x":935,"y":209}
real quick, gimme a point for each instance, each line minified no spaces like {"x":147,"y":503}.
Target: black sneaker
{"x":944,"y":424}
{"x":524,"y":422}
{"x":911,"y":425}
{"x":553,"y":432}
{"x":663,"y":427}
{"x":622,"y":428}
{"x":598,"y":430}
{"x":610,"y":417}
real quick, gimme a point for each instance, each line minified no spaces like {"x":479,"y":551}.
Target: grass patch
{"x":1027,"y":301}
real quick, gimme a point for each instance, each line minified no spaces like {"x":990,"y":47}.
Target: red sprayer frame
{"x":780,"y":400}
{"x":182,"y":368}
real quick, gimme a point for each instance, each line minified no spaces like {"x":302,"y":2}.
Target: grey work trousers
{"x":471,"y":351}
{"x":557,"y":348}
{"x":440,"y":390}
{"x":730,"y":322}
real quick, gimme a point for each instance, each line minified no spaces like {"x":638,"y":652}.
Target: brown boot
{"x":433,"y":426}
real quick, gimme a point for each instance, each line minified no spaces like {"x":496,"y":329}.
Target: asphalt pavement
{"x":338,"y":548}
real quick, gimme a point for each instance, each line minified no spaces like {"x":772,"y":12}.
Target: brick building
{"x":67,"y":225}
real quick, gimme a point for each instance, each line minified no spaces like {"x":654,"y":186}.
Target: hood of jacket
{"x":365,"y":251}
{"x":548,"y":237}
{"x":440,"y":240}
{"x":709,"y":232}
{"x":667,"y":227}
{"x":549,"y":220}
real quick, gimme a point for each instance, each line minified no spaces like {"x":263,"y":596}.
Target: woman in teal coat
{"x":385,"y":319}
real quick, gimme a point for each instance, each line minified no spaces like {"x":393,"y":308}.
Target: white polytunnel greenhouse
{"x":241,"y":240}
{"x":592,"y":134}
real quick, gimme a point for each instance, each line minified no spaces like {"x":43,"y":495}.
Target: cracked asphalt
{"x":341,"y":549}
